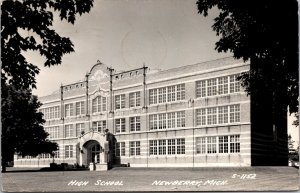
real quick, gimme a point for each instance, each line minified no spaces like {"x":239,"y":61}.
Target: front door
{"x":95,"y":150}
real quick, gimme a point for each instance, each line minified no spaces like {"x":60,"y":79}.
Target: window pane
{"x":201,"y":88}
{"x":180,"y":146}
{"x":201,"y":145}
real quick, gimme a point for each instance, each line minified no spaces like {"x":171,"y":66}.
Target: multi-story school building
{"x":192,"y":116}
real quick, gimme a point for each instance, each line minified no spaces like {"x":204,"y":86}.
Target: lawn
{"x":154,"y":179}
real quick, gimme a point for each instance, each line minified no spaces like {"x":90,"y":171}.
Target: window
{"x":135,"y":99}
{"x":29,"y":157}
{"x":201,"y":88}
{"x":223,"y":144}
{"x":153,"y":147}
{"x":56,"y":154}
{"x":171,"y":93}
{"x":234,"y":84}
{"x":211,"y":145}
{"x":181,"y":119}
{"x":99,"y":104}
{"x":223,"y":85}
{"x":217,"y":86}
{"x":162,"y":121}
{"x":234,"y":113}
{"x":167,"y":146}
{"x":56,"y":112}
{"x":79,"y":128}
{"x":120,"y":149}
{"x":153,"y":96}
{"x":50,"y":112}
{"x":167,"y":120}
{"x":120,"y":101}
{"x":135,"y":148}
{"x":68,"y":151}
{"x":181,"y":146}
{"x":234,"y":144}
{"x":69,"y":131}
{"x":135,"y":124}
{"x":171,"y":120}
{"x":201,"y":116}
{"x":180,"y":91}
{"x":212,"y":116}
{"x":162,"y":147}
{"x":104,"y":104}
{"x":211,"y":87}
{"x":164,"y":95}
{"x":80,"y":109}
{"x":153,"y":122}
{"x":53,"y":132}
{"x":95,"y":150}
{"x":218,"y":115}
{"x":42,"y":156}
{"x":161,"y":95}
{"x":167,"y":94}
{"x":95,"y":105}
{"x":171,"y":146}
{"x":47,"y":113}
{"x":99,"y":126}
{"x":201,"y":145}
{"x":68,"y":110}
{"x":223,"y":114}
{"x":120,"y":125}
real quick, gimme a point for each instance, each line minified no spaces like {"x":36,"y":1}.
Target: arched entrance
{"x":93,"y":149}
{"x":91,"y":152}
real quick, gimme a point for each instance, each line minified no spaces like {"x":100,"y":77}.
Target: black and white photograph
{"x":149,"y":95}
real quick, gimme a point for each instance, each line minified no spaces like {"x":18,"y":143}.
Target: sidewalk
{"x":154,"y":179}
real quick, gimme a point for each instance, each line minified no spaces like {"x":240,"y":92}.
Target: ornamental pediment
{"x":99,"y":77}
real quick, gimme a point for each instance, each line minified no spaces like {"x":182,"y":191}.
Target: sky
{"x":125,"y":34}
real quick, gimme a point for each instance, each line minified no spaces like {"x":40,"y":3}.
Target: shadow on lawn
{"x":46,"y":169}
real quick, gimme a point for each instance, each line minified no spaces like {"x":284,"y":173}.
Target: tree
{"x":22,"y":129}
{"x":296,"y":122}
{"x":290,"y":141}
{"x":293,"y":153}
{"x":37,"y":17}
{"x":264,"y":32}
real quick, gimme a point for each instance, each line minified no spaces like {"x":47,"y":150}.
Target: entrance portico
{"x":93,"y":149}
